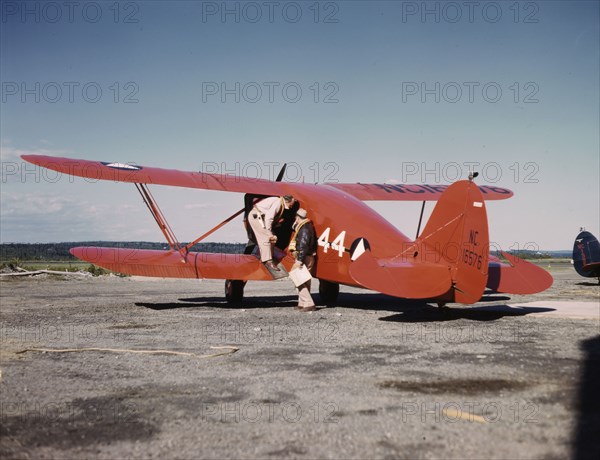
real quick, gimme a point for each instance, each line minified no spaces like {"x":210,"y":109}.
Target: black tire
{"x":234,"y":291}
{"x":328,"y":292}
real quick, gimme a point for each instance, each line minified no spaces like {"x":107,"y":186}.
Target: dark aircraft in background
{"x":586,"y":255}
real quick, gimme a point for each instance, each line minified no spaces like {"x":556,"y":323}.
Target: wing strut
{"x":160,"y":220}
{"x":420,"y":219}
{"x":214,"y":229}
{"x":166,"y":228}
{"x":233,"y":216}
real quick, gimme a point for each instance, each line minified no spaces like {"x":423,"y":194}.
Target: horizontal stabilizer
{"x":518,"y":277}
{"x":401,"y":279}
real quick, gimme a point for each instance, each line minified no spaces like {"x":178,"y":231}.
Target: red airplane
{"x":449,"y":261}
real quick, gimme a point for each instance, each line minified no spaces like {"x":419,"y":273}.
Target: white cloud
{"x":10,"y":153}
{"x":15,"y":169}
{"x":30,"y":217}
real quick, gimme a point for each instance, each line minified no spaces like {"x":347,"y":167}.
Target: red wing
{"x":412,"y":192}
{"x":169,"y":264}
{"x":121,"y":172}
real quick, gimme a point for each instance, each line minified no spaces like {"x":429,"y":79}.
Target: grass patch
{"x":57,"y":265}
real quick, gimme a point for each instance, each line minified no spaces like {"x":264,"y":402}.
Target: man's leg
{"x":262,"y":237}
{"x":304,"y":297}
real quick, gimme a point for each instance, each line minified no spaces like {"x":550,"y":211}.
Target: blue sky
{"x":388,"y":93}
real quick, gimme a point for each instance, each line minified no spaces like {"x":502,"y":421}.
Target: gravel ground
{"x":374,"y":377}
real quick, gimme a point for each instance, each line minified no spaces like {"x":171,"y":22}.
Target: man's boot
{"x":271,"y":266}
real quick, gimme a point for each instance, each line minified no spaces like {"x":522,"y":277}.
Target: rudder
{"x":457,"y":234}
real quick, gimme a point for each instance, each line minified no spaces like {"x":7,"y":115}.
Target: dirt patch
{"x":463,"y":387}
{"x":339,"y":382}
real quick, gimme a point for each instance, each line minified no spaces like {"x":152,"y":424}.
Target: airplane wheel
{"x":234,"y":291}
{"x":328,"y":291}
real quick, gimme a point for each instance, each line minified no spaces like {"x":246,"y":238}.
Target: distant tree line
{"x":60,"y":251}
{"x":527,"y":254}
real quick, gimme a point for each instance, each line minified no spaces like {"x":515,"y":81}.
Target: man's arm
{"x":302,"y":243}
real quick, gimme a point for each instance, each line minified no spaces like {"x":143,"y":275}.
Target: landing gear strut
{"x":234,"y":291}
{"x":328,"y":291}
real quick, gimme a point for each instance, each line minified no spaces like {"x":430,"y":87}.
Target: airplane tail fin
{"x":456,"y":235}
{"x":586,"y":255}
{"x":450,"y":261}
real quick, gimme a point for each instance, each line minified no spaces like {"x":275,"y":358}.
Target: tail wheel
{"x":328,"y":291}
{"x":234,"y":291}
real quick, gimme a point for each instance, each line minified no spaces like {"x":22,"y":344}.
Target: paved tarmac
{"x":374,"y":377}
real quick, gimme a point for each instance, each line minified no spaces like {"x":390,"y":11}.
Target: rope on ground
{"x":22,"y":272}
{"x":229,"y":351}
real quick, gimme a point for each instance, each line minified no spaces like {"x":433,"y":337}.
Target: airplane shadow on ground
{"x":220,"y":302}
{"x":587,"y":283}
{"x":486,"y":313}
{"x":366,"y":301}
{"x":421,"y":311}
{"x":406,"y":311}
